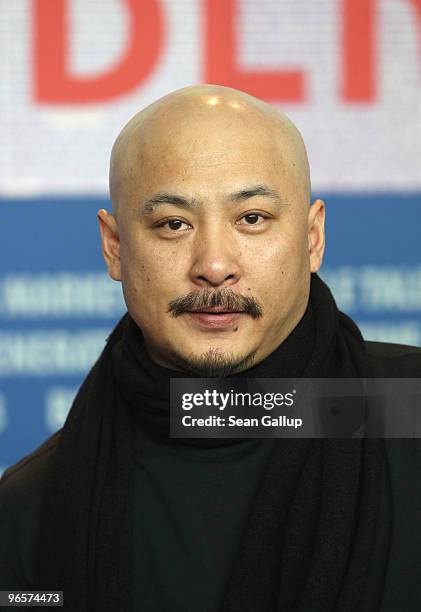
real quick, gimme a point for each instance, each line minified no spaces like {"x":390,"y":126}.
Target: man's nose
{"x":216,"y":259}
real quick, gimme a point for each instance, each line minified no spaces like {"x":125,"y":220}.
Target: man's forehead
{"x":213,"y":155}
{"x":200,"y":177}
{"x":206,"y":159}
{"x":205,"y":139}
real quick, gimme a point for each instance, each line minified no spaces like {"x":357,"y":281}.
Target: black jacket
{"x":22,"y":484}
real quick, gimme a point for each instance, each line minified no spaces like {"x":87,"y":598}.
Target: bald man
{"x":217,"y":246}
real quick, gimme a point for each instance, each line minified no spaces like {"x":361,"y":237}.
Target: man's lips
{"x":215,"y":318}
{"x":214,"y":311}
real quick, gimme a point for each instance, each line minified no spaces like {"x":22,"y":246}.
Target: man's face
{"x":216,"y":220}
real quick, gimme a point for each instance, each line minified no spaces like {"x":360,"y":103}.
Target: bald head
{"x":205,"y":125}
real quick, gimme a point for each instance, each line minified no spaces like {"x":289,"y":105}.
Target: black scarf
{"x":310,"y":543}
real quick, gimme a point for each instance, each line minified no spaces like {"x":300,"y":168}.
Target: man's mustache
{"x":209,"y":298}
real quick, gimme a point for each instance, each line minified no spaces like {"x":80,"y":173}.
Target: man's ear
{"x":316,"y":234}
{"x":110,"y":243}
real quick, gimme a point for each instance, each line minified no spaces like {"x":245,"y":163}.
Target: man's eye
{"x":252,"y":219}
{"x":173,"y":224}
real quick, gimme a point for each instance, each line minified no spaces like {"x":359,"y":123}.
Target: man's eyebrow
{"x":251,"y":191}
{"x":166,"y":198}
{"x":257,"y":190}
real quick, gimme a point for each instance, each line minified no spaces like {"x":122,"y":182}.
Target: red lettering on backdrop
{"x":54,"y":83}
{"x":417,"y":9}
{"x":221,"y":59}
{"x":358,"y":50}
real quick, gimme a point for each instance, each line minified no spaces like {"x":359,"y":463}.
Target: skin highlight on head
{"x":210,"y":190}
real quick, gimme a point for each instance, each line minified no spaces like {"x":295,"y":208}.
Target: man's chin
{"x":213,"y":362}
